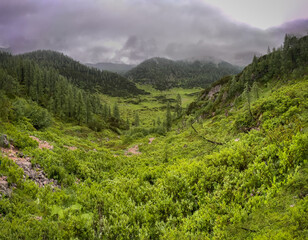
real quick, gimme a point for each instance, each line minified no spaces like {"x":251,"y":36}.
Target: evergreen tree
{"x":255,"y":90}
{"x":116,"y":112}
{"x":247,"y":96}
{"x":137,"y":121}
{"x":81,"y":108}
{"x":178,"y":106}
{"x":168,"y":117}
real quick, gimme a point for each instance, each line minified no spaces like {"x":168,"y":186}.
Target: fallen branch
{"x":210,"y":141}
{"x":247,"y":229}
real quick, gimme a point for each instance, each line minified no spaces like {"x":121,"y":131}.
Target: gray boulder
{"x":4,"y":142}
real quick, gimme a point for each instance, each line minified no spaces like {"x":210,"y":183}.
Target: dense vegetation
{"x":164,"y":74}
{"x":84,"y":77}
{"x":233,"y":167}
{"x":35,"y":92}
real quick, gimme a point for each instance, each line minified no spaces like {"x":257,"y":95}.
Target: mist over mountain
{"x":91,"y":32}
{"x":120,"y":68}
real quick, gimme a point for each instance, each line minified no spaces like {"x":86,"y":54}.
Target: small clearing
{"x":42,"y":144}
{"x":133,"y":151}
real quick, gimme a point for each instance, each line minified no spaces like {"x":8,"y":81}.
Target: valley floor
{"x":75,"y":183}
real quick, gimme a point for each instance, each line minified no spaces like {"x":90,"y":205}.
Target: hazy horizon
{"x":132,"y":31}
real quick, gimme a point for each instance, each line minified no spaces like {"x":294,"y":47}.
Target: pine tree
{"x":178,"y":106}
{"x":247,"y":96}
{"x":255,"y":90}
{"x":116,"y":112}
{"x":81,"y":108}
{"x":168,"y":117}
{"x":137,"y":121}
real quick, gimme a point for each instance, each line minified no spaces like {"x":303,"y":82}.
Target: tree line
{"x":23,"y":78}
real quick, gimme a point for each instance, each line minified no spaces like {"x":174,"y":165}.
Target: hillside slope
{"x":36,"y":93}
{"x":165,"y":74}
{"x":82,"y":76}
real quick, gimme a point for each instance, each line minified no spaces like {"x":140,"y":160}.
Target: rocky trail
{"x":33,"y":172}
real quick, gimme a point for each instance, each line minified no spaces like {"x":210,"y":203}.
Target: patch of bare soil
{"x":132,"y":151}
{"x":151,"y":140}
{"x":70,"y":147}
{"x":42,"y":144}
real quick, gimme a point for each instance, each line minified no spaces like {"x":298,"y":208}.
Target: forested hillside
{"x":35,"y":92}
{"x":164,"y":74}
{"x":86,"y":78}
{"x":233,"y":165}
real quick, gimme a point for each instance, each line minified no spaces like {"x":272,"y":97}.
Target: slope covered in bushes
{"x":235,"y":170}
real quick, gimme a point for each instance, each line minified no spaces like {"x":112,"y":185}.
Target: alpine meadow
{"x":134,"y":140}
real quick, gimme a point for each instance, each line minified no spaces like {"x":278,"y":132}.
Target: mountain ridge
{"x":82,"y":76}
{"x":163,"y":73}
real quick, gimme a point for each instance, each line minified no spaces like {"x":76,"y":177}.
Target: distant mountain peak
{"x":120,"y":68}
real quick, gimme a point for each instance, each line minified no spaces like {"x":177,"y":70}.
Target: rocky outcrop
{"x":36,"y":173}
{"x":4,"y":186}
{"x":213,"y":91}
{"x":33,"y":172}
{"x":4,"y":142}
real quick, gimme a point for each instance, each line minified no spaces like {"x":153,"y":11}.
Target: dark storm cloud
{"x":134,"y":30}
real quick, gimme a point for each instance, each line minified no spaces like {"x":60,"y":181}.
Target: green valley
{"x":228,"y":161}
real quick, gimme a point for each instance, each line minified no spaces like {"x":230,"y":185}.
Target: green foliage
{"x":38,"y":116}
{"x":253,"y":186}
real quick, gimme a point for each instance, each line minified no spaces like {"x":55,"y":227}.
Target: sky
{"x":130,"y":31}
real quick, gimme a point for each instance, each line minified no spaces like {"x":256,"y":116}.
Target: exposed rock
{"x":4,"y":186}
{"x":213,"y":91}
{"x":4,"y":142}
{"x":34,"y":173}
